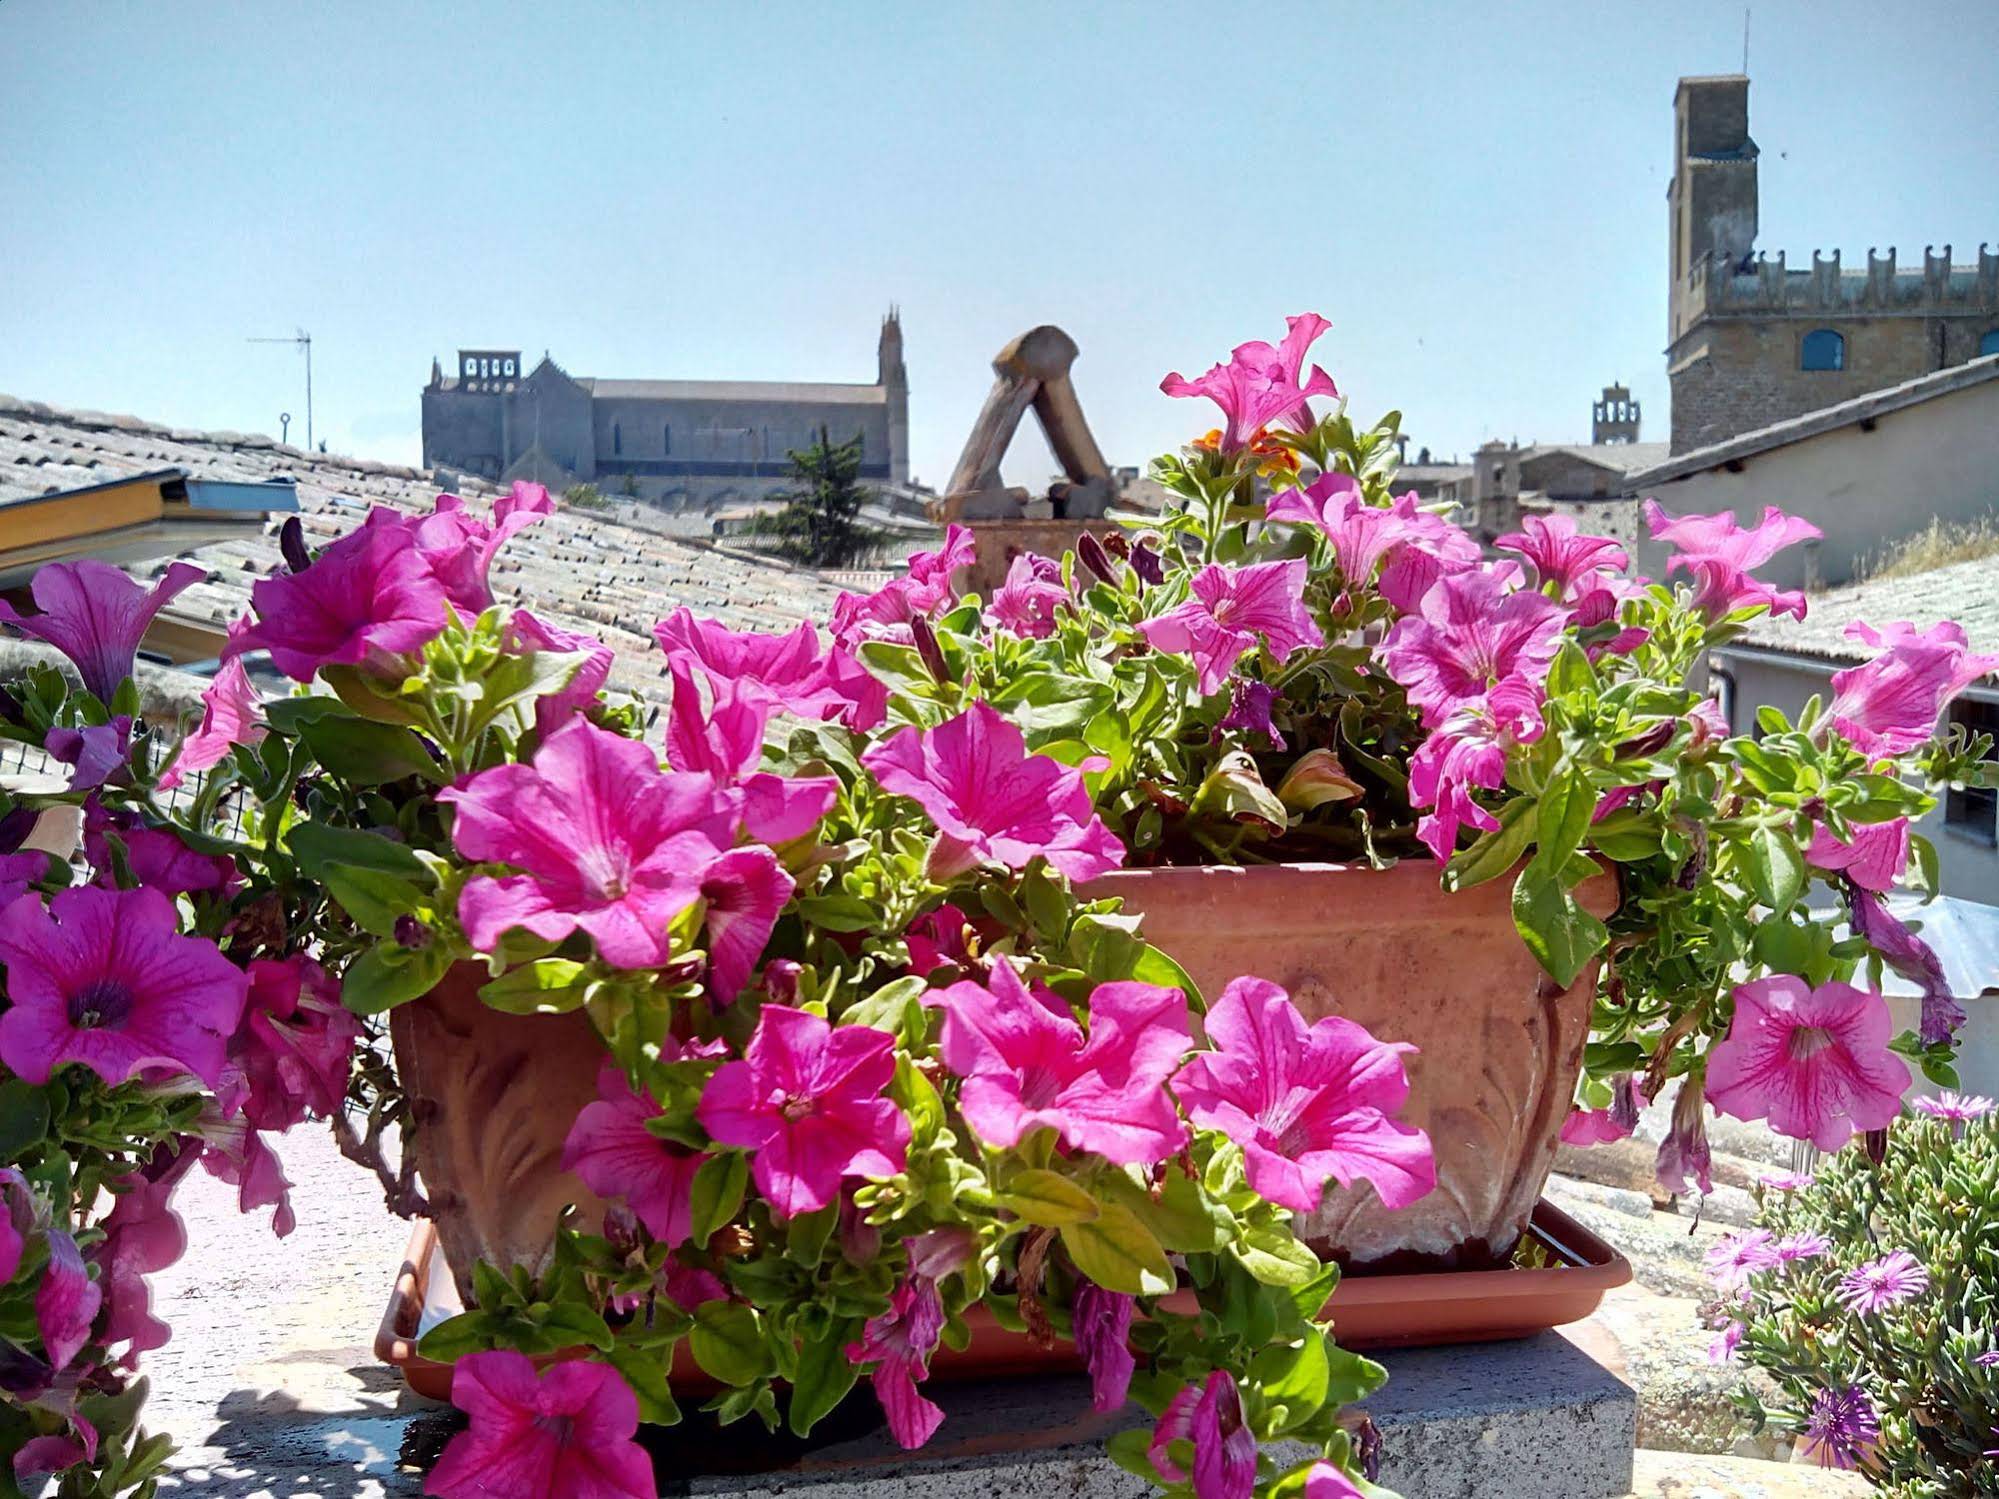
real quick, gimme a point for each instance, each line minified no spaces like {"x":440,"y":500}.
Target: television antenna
{"x":301,"y":340}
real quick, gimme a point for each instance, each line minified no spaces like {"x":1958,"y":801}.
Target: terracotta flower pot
{"x":493,"y":1097}
{"x":1499,"y":1047}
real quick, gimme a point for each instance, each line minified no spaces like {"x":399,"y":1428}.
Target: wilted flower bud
{"x":1367,"y":1448}
{"x":781,"y":980}
{"x":1116,"y":544}
{"x":860,"y":1240}
{"x":1090,"y":552}
{"x":291,"y":543}
{"x":412,"y":933}
{"x":1653,"y":739}
{"x":1315,"y":779}
{"x":928,"y":648}
{"x":1147,"y":563}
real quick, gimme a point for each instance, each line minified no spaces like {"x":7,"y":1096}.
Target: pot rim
{"x":1599,"y":894}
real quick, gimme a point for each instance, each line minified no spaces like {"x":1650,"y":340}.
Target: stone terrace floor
{"x":270,"y":1385}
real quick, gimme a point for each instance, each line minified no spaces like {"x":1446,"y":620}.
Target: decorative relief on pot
{"x":1498,"y":1053}
{"x":493,"y":1097}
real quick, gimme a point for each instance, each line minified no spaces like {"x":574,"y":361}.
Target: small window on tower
{"x":666,"y":440}
{"x":1822,"y":349}
{"x":1988,"y":343}
{"x":617,"y":438}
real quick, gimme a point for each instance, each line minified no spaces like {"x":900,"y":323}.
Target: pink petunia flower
{"x":1026,"y":1067}
{"x":156,"y":857}
{"x":1102,"y":1321}
{"x":57,"y":1453}
{"x":1211,"y":1419}
{"x":1261,"y":384}
{"x":1564,"y":558}
{"x":939,"y":939}
{"x":1814,"y":1062}
{"x":460,"y":546}
{"x":567,"y":1431}
{"x":1587,"y":1127}
{"x":1361,"y":534}
{"x":235,"y":1153}
{"x":1325,"y":1481}
{"x":1873,"y":858}
{"x":18,"y":1219}
{"x":67,"y":1300}
{"x":1890,"y":705}
{"x":1719,"y":553}
{"x":366,"y":600}
{"x":96,"y":616}
{"x":295,"y":1046}
{"x":96,"y":753}
{"x":1467,"y":752}
{"x":103,"y":978}
{"x":615,"y":1155}
{"x":929,"y":574}
{"x":1908,"y":955}
{"x":608,"y":844}
{"x":1026,"y":602}
{"x":1737,"y":1257}
{"x":899,"y":1343}
{"x":1306,"y":1104}
{"x":232,"y":713}
{"x":529,"y":634}
{"x":806,"y":1100}
{"x":1843,"y":1429}
{"x":742,"y":894}
{"x":1786,"y":1181}
{"x":1230,"y":608}
{"x":726,"y":742}
{"x":992,"y":801}
{"x":1470,"y":635}
{"x":790,"y":670}
{"x":922,"y":592}
{"x":1879,"y":1284}
{"x":142,"y":1235}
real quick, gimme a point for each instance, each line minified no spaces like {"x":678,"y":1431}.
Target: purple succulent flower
{"x":1880,"y":1284}
{"x":1842,"y":1430}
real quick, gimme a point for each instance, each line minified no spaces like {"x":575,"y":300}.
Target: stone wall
{"x":1737,"y":375}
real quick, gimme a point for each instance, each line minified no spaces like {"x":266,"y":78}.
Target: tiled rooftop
{"x":1967,"y":592}
{"x":582,"y":571}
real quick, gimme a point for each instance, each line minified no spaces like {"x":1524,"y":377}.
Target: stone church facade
{"x":684,"y":444}
{"x":1753,"y":341}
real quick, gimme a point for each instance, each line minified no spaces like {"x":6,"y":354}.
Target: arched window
{"x":666,"y":439}
{"x":617,"y":438}
{"x":1988,"y":343}
{"x":1822,"y":349}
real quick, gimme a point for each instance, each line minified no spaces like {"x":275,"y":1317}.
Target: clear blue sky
{"x":1473,"y":193}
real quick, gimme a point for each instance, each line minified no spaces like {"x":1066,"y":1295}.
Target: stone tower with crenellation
{"x":893,"y":377}
{"x":1751,"y":341}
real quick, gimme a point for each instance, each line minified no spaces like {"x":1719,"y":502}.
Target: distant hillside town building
{"x":1752,"y":342}
{"x":684,"y":444}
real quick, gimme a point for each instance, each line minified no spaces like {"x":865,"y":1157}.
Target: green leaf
{"x":24,"y":1118}
{"x":571,"y":1324}
{"x":1492,"y":854}
{"x":388,"y":974}
{"x":839,"y":913}
{"x":1562,"y":936}
{"x":547,"y":986}
{"x":374,"y":879}
{"x":825,"y":1375}
{"x":1776,"y":868}
{"x":717,"y":1193}
{"x":1567,"y":804}
{"x":468,"y":1332}
{"x":1350,"y":1377}
{"x":1273,"y":1255}
{"x":1046,"y":1197}
{"x":521,"y":679}
{"x":728,"y":1343}
{"x":1295,"y":1376}
{"x":644,"y":1369}
{"x":1119,"y":1253}
{"x":1570,"y":671}
{"x":1183,"y":1216}
{"x":1154,"y":966}
{"x":363,"y":753}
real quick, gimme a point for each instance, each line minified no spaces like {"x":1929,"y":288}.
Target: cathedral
{"x":700,"y":445}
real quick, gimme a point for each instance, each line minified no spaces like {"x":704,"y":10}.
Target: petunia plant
{"x":1299,"y":663}
{"x":878,"y":1075}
